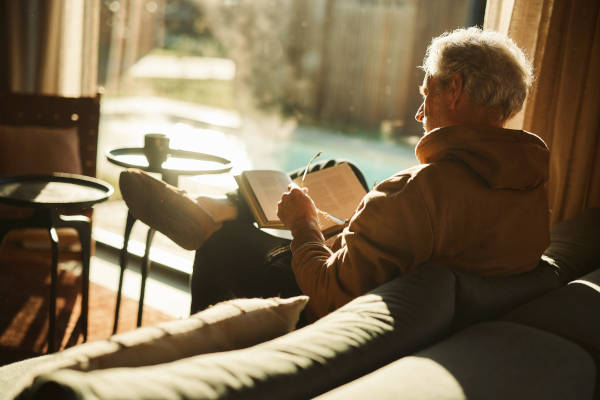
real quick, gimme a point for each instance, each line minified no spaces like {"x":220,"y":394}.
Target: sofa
{"x":432,"y":333}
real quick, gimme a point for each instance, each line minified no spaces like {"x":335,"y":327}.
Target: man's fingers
{"x":295,"y":190}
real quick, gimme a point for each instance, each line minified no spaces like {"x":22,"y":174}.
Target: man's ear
{"x":455,"y":90}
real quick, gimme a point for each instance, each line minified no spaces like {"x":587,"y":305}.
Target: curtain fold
{"x":563,"y":39}
{"x":52,"y":46}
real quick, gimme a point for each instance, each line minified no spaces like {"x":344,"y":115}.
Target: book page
{"x":268,"y":186}
{"x":335,"y":190}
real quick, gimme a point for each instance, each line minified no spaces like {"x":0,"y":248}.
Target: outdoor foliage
{"x":187,"y":30}
{"x":254,"y":34}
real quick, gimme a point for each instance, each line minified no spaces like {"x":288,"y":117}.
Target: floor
{"x":166,"y":290}
{"x":109,"y":225}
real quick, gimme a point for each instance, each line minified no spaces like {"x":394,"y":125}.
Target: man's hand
{"x":297,"y":210}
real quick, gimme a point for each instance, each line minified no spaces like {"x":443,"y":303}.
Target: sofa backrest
{"x":573,"y":252}
{"x":575,"y":245}
{"x":482,"y":298}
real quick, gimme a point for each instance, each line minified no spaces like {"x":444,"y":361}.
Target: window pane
{"x":282,"y":79}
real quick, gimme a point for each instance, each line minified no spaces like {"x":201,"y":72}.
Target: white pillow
{"x":228,"y":325}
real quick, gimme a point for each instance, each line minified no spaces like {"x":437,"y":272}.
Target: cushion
{"x":38,"y":150}
{"x":572,"y":311}
{"x":12,"y":373}
{"x":228,"y":325}
{"x":574,"y":244}
{"x":493,"y":360}
{"x":392,"y":320}
{"x":483,"y":298}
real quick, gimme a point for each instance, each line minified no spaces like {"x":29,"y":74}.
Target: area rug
{"x":24,"y":297}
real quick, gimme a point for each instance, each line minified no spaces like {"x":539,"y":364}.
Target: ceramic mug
{"x":156,"y":149}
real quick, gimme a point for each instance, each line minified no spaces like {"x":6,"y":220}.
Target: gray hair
{"x":495,"y":71}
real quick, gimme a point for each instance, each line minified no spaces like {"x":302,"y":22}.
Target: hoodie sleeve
{"x":390,"y":232}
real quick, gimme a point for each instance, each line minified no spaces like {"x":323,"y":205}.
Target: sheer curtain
{"x":52,"y":46}
{"x":563,"y":38}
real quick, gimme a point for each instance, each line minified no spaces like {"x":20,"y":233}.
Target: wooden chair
{"x":81,"y":113}
{"x":42,"y":134}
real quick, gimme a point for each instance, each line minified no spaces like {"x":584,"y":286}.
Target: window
{"x":269,"y":83}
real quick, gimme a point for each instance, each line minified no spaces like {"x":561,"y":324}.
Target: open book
{"x":335,"y":190}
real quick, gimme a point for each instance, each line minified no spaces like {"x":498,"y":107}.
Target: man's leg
{"x":241,"y":260}
{"x":185,"y":220}
{"x":234,"y":258}
{"x":171,"y":211}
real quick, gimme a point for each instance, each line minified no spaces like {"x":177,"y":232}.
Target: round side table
{"x":50,"y":196}
{"x":178,"y":163}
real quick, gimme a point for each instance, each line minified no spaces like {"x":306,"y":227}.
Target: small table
{"x":179,"y":162}
{"x":50,"y":196}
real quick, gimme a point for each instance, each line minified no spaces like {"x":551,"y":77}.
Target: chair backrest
{"x":50,"y":112}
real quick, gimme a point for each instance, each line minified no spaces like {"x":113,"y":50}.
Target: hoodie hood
{"x":504,"y":158}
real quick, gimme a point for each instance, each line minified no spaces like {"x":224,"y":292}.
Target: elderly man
{"x":477,"y":201}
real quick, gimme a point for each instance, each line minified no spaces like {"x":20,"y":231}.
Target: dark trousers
{"x":241,"y":260}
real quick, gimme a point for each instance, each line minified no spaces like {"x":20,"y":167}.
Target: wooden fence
{"x":368,"y":52}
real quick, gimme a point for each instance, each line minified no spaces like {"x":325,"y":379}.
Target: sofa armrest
{"x":493,"y":360}
{"x":393,"y":320}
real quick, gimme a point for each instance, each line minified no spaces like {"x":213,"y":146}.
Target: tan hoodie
{"x":477,"y":202}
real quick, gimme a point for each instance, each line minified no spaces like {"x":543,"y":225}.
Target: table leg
{"x":85,"y":283}
{"x":53,"y":283}
{"x":145,"y":270}
{"x":83,"y":226}
{"x":3,"y":232}
{"x":123,"y":264}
